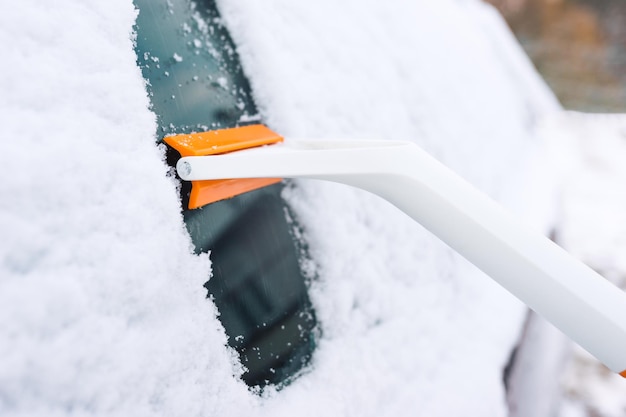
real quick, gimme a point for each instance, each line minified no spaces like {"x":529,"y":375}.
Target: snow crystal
{"x":223,"y":82}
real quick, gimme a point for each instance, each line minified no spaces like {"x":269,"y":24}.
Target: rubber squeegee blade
{"x":217,"y":142}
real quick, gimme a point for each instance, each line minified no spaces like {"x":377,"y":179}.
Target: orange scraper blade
{"x":218,"y":142}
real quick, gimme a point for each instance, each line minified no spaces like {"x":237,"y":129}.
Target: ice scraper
{"x":584,"y":305}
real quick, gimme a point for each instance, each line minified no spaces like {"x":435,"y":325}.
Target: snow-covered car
{"x":325,"y":291}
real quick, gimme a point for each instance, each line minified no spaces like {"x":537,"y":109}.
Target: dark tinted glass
{"x":196,"y":83}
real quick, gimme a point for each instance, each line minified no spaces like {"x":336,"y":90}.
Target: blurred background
{"x":579,"y":46}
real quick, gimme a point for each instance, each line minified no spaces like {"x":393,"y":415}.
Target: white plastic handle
{"x":584,"y":305}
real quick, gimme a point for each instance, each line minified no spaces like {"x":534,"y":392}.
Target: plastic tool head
{"x":219,"y":142}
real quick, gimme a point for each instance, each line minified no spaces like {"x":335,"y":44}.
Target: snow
{"x":102,"y":309}
{"x":101,"y":303}
{"x":593,"y":205}
{"x":534,"y":381}
{"x":592,"y":228}
{"x":394,"y":303}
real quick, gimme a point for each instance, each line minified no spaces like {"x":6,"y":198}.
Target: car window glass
{"x":196,"y":83}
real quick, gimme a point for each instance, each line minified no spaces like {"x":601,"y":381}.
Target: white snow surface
{"x":592,"y":227}
{"x":102,"y":309}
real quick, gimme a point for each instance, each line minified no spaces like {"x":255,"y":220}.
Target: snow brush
{"x":581,"y":303}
